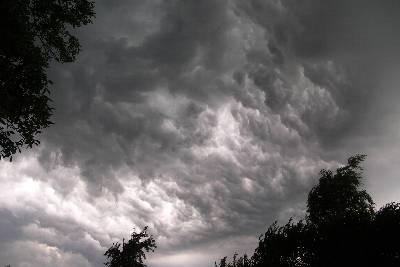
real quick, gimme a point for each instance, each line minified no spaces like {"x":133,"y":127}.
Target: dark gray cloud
{"x":347,"y":47}
{"x":205,"y":120}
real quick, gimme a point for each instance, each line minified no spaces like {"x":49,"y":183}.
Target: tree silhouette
{"x":282,"y":245}
{"x":341,"y":228}
{"x":32,"y":33}
{"x":236,"y":262}
{"x":132,"y":253}
{"x":338,"y":196}
{"x":386,"y":233}
{"x":339,"y":216}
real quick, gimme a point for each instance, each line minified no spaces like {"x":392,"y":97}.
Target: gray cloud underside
{"x":205,"y":120}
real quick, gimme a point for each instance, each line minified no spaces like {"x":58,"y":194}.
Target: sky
{"x":205,"y":121}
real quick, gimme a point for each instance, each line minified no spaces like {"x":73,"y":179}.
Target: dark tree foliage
{"x":341,"y":228}
{"x":282,"y":246}
{"x":236,"y":262}
{"x":386,"y":233}
{"x":338,"y":196}
{"x":131,"y":253}
{"x":32,"y":33}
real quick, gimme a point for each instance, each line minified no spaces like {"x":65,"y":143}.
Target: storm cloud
{"x":205,"y":120}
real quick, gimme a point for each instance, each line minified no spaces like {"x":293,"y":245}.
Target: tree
{"x":283,"y":246}
{"x":341,"y":228}
{"x":132,"y":253}
{"x":340,"y":214}
{"x":236,"y":262}
{"x":386,"y":233}
{"x":32,"y":33}
{"x":339,"y":197}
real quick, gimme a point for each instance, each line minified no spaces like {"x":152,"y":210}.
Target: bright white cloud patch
{"x":76,"y":224}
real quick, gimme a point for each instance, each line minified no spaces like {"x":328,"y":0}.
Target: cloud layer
{"x":205,"y":120}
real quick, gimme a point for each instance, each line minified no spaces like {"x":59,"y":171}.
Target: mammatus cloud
{"x":205,"y":120}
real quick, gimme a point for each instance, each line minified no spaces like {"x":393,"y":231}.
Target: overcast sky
{"x":205,"y":120}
